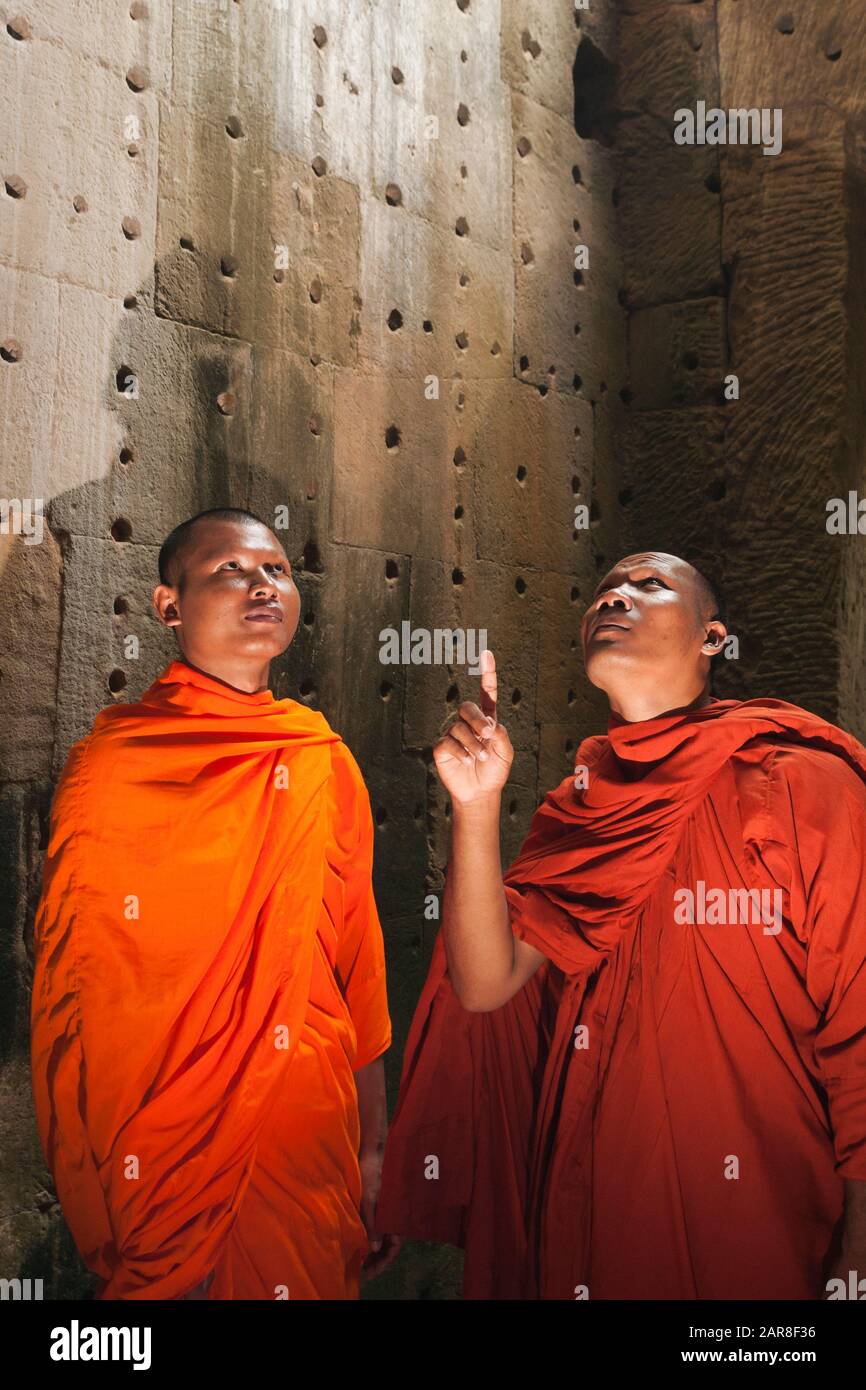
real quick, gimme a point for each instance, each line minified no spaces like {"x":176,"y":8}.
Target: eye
{"x":653,"y":579}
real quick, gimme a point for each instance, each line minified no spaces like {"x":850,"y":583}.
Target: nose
{"x":263,"y":583}
{"x":610,"y":598}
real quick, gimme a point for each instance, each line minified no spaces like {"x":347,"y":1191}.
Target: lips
{"x":264,"y":615}
{"x":608,"y":624}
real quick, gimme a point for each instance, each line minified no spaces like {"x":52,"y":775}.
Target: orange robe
{"x":670,"y":1107}
{"x":209,"y":974}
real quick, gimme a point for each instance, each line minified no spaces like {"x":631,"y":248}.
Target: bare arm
{"x":372,"y":1109}
{"x":487,"y":964}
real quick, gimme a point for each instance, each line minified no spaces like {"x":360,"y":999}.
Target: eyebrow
{"x":608,"y":581}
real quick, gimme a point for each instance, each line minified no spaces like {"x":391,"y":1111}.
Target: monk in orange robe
{"x":209,"y":1009}
{"x":637,"y":1069}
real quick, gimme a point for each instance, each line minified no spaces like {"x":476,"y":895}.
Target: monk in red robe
{"x":209,"y":1010}
{"x":638,"y":1066}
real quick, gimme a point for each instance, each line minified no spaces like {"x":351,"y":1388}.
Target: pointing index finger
{"x":488,"y":684}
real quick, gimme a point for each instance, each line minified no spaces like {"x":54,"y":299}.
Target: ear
{"x":165,"y":604}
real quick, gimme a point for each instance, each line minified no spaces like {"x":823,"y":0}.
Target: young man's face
{"x":645,"y":629}
{"x":233,"y":594}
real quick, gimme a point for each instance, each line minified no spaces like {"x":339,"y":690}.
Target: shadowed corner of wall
{"x":422,"y":1272}
{"x":51,"y":1255}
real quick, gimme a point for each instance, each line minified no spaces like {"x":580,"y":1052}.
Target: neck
{"x":632,"y":707}
{"x":251,"y":677}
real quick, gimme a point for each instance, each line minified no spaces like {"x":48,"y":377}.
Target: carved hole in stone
{"x":463,"y":5}
{"x":578,"y":277}
{"x":459,"y":456}
{"x":529,"y":45}
{"x":524,"y":364}
{"x":622,"y":297}
{"x":226,"y":402}
{"x":571,"y":697}
{"x":575,"y":593}
{"x":542,"y":390}
{"x":520,"y":584}
{"x":396,"y":76}
{"x":625,"y":496}
{"x":527,"y":255}
{"x":138,"y":10}
{"x":133,"y":150}
{"x":320,"y":100}
{"x":457,"y":576}
{"x":393,"y":195}
{"x":131,"y":228}
{"x":575,"y":484}
{"x":713,"y":183}
{"x":306,"y":689}
{"x":495,"y":350}
{"x":187,"y":243}
{"x":122,"y":377}
{"x":229,"y":266}
{"x":833,"y":53}
{"x":320,"y":37}
{"x":11,"y":350}
{"x":19,"y":28}
{"x":316,"y":291}
{"x":691,"y":361}
{"x":309,"y":619}
{"x":312,"y":559}
{"x":121,"y":606}
{"x":462,"y":114}
{"x":385,"y":690}
{"x":576,"y":329}
{"x":464,"y":280}
{"x":137,"y":78}
{"x":130,"y":301}
{"x":458,"y":512}
{"x":234,"y":128}
{"x":15,"y":186}
{"x":126,"y":455}
{"x":318,"y":166}
{"x":462,"y":341}
{"x":524,"y":146}
{"x":785,"y":24}
{"x":576,"y":382}
{"x":427,"y":326}
{"x":116,"y":681}
{"x":464,"y":172}
{"x":516,"y":697}
{"x":395,"y":320}
{"x":121,"y":529}
{"x":392,"y":438}
{"x":595,"y":105}
{"x":521,"y":474}
{"x":463,"y":55}
{"x":512,"y":809}
{"x":315,"y":425}
{"x":279,"y":276}
{"x":575,"y":173}
{"x":461,"y":226}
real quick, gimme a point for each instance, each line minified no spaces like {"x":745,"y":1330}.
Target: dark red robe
{"x":669,"y":1108}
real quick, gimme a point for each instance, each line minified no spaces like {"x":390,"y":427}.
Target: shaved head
{"x":178,"y":543}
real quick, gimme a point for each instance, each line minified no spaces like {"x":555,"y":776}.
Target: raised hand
{"x":474,"y":755}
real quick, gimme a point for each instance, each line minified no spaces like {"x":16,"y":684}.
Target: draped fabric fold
{"x":502,"y":1100}
{"x":186,"y":895}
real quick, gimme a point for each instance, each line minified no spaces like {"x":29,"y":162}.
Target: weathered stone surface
{"x":558,"y":306}
{"x":440,"y":132}
{"x":539,"y":42}
{"x":678,"y":353}
{"x":670,"y":219}
{"x":76,"y":149}
{"x":666,"y":60}
{"x":777,"y":56}
{"x":96,"y":572}
{"x":526,"y":453}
